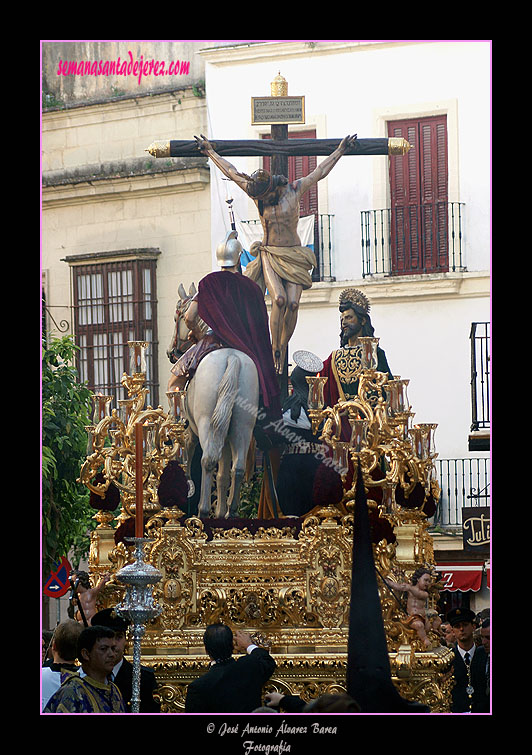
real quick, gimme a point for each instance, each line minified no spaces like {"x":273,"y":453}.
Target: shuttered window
{"x":115,"y":302}
{"x":419,"y":197}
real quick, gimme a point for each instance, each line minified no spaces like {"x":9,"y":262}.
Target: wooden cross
{"x":281,"y":147}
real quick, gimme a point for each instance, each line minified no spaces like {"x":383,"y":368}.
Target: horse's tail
{"x":221,"y":417}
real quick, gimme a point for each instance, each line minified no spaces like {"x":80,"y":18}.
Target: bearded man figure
{"x":281,"y":264}
{"x":342,"y":366}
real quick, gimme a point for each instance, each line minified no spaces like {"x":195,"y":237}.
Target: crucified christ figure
{"x":281,"y":264}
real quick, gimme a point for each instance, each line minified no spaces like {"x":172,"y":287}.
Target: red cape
{"x":233,"y":306}
{"x":331,"y":394}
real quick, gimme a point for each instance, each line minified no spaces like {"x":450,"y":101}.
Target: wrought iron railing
{"x":322,"y":246}
{"x":464,"y":483}
{"x":414,"y":239}
{"x":480,"y":375}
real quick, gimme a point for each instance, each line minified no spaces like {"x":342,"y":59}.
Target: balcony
{"x":464,"y":483}
{"x":479,"y":438}
{"x":319,"y":238}
{"x":413,"y":240}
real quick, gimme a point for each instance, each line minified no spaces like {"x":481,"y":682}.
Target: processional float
{"x":286,"y":581}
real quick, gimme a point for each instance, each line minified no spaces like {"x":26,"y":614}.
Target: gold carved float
{"x":288,"y":582}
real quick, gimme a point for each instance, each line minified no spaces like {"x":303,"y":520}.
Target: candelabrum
{"x":138,"y":606}
{"x":130,"y":446}
{"x":374,"y":427}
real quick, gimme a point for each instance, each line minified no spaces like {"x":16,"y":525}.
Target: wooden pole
{"x":279,"y":162}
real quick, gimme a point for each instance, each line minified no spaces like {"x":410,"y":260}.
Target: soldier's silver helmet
{"x":229,"y":250}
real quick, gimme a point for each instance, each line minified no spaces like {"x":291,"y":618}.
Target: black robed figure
{"x":369,"y":677}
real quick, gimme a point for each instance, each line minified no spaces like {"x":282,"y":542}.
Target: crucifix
{"x":281,"y":265}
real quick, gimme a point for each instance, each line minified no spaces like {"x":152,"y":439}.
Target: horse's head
{"x":181,"y":340}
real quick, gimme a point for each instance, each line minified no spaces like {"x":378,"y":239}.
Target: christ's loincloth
{"x":291,"y":263}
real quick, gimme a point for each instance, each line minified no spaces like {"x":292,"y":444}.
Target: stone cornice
{"x":129,"y":168}
{"x":108,"y":106}
{"x":255,"y":51}
{"x":122,"y":187}
{"x":398,"y":289}
{"x":112,"y":256}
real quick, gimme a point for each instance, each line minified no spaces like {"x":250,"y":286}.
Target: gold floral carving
{"x":290,"y":590}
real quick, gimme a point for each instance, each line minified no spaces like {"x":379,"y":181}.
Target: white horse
{"x":221,"y":404}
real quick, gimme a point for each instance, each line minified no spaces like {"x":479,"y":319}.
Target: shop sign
{"x":476,"y":527}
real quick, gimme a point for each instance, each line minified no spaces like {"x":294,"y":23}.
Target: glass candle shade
{"x":402,"y":427}
{"x":427,"y":439}
{"x":341,"y":457}
{"x":125,"y":407}
{"x":368,"y":354}
{"x":137,"y":357}
{"x":397,"y":396}
{"x":388,"y":496}
{"x":182,"y":456}
{"x":149,"y":432}
{"x":359,"y":432}
{"x":418,"y":444}
{"x":90,"y":439}
{"x":315,"y":392}
{"x":101,"y":406}
{"x":176,"y":402}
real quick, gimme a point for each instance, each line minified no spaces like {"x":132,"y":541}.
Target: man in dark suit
{"x":469,"y":691}
{"x":230,"y":685}
{"x":122,"y":674}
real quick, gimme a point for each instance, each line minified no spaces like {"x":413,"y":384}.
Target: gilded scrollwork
{"x":291,"y":587}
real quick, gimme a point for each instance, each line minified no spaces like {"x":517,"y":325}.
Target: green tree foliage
{"x":67,"y":517}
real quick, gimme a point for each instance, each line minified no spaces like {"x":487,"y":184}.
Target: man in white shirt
{"x":64,"y":651}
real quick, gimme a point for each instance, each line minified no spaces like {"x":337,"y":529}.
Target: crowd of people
{"x":85,"y":671}
{"x":468,"y":635}
{"x":88,"y":672}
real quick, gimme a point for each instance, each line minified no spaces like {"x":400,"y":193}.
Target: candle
{"x":137,"y":357}
{"x":139,"y":513}
{"x":176,"y":400}
{"x":101,"y":407}
{"x":315,"y":391}
{"x":368,"y":355}
{"x":125,"y":409}
{"x":90,"y":439}
{"x":358,"y":433}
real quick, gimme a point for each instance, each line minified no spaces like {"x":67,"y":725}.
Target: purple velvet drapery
{"x":233,"y":306}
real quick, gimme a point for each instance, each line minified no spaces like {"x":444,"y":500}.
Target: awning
{"x":463,"y":576}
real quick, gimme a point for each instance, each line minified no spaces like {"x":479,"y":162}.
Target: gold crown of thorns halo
{"x":356,"y":297}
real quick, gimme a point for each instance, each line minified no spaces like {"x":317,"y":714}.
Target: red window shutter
{"x":418,"y":189}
